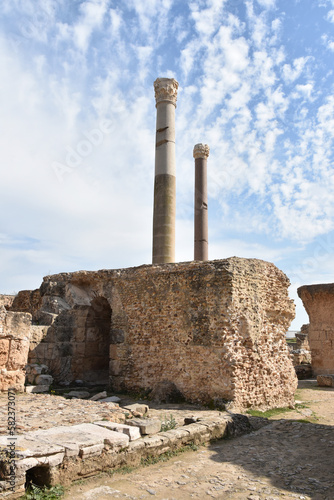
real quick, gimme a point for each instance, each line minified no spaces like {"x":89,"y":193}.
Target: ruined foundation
{"x":215,"y":329}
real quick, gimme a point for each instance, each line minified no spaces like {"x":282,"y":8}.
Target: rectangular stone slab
{"x":146,"y":425}
{"x":132,"y":432}
{"x":76,"y":437}
{"x":28,"y":445}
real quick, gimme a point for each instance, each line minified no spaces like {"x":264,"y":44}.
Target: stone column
{"x":201,"y":153}
{"x":164,"y":183}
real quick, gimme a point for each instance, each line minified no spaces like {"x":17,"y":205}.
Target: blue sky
{"x":78,"y":129}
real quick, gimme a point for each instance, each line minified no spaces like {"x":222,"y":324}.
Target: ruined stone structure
{"x":14,"y":347}
{"x":215,"y":329}
{"x":6,"y":301}
{"x":165,"y":181}
{"x":201,"y":153}
{"x":318,"y":301}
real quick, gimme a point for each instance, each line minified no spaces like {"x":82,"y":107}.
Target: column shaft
{"x":201,"y":153}
{"x":165,"y":181}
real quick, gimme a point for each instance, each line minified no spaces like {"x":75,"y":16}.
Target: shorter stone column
{"x":201,"y":153}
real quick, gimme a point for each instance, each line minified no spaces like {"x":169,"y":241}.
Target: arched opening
{"x":97,"y":341}
{"x":38,"y":476}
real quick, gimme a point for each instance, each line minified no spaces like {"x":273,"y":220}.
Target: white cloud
{"x":292,"y":72}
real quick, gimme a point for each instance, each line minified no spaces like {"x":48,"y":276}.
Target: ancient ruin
{"x":318,"y":301}
{"x":205,"y":331}
{"x":215,"y":330}
{"x":201,"y":153}
{"x":165,"y":180}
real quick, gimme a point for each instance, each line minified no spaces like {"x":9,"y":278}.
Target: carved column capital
{"x":166,"y":90}
{"x":201,"y":151}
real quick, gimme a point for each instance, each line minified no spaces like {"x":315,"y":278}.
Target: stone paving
{"x":287,"y":458}
{"x":284,"y":460}
{"x":42,"y":411}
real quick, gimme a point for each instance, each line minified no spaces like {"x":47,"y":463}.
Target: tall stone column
{"x":201,"y":153}
{"x":164,"y":183}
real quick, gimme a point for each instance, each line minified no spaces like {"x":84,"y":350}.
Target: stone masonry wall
{"x":27,"y":301}
{"x":6,"y":301}
{"x":318,"y":301}
{"x":14,"y":347}
{"x":215,"y":329}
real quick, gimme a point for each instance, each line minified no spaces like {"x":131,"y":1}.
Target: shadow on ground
{"x":295,"y":456}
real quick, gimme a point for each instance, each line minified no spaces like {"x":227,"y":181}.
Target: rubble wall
{"x":215,"y":329}
{"x":6,"y":301}
{"x":318,"y":301}
{"x":14,"y":347}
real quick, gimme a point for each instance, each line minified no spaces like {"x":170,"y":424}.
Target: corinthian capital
{"x":166,"y":90}
{"x":201,"y":151}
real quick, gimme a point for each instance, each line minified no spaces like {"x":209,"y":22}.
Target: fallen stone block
{"x":78,"y":394}
{"x":131,"y":431}
{"x":139,"y":408}
{"x":43,"y":379}
{"x":36,"y":389}
{"x":98,"y":396}
{"x":325,"y":380}
{"x":111,"y":399}
{"x":146,"y":425}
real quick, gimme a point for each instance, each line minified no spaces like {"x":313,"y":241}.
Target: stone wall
{"x":215,"y":329}
{"x":6,"y":301}
{"x":14,"y":347}
{"x":27,"y":301}
{"x":318,"y":301}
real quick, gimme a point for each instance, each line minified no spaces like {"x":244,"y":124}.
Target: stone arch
{"x":96,"y":342}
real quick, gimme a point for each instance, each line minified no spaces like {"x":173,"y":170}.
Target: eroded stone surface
{"x":216,"y":330}
{"x":318,"y":301}
{"x":146,"y":425}
{"x":131,"y":431}
{"x":15,"y":329}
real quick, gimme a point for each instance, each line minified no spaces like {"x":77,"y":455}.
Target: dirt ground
{"x":292,"y":457}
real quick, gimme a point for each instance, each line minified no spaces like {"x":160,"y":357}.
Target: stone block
{"x":43,"y":380}
{"x":137,"y":407}
{"x":78,"y":394}
{"x":98,"y":396}
{"x":146,"y":425}
{"x":111,"y":399}
{"x":131,"y":431}
{"x":91,"y":451}
{"x":4,"y":351}
{"x":36,"y":389}
{"x":82,"y":436}
{"x":18,"y":354}
{"x":325,"y":380}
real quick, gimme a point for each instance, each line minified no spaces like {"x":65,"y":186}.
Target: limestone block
{"x":4,"y":351}
{"x":140,"y":408}
{"x":12,"y":379}
{"x":146,"y":425}
{"x":37,"y":389}
{"x":18,"y":325}
{"x":18,"y":354}
{"x":78,"y":394}
{"x":90,"y":451}
{"x":131,"y":431}
{"x":111,"y":399}
{"x":31,"y":445}
{"x":44,"y":380}
{"x":325,"y":380}
{"x":98,"y":396}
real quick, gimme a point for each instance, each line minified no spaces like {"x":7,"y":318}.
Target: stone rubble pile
{"x":37,"y":378}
